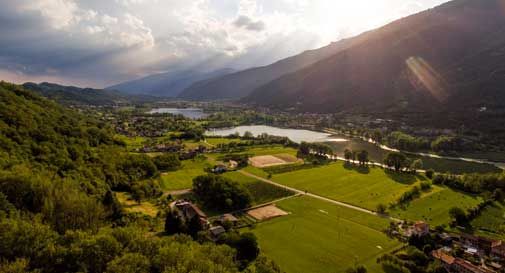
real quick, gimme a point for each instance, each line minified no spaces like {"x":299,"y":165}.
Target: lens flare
{"x":429,"y":78}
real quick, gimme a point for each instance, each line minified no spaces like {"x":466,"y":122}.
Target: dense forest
{"x":58,"y":209}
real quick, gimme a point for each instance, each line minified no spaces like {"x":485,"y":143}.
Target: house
{"x":482,"y":244}
{"x":419,"y":228}
{"x":457,"y":265}
{"x":232,"y":164}
{"x":216,"y":231}
{"x":498,"y":249}
{"x":228,"y":218}
{"x":188,"y":211}
{"x":219,"y":169}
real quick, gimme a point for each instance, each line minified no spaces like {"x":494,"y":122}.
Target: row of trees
{"x":361,"y":157}
{"x":221,"y":193}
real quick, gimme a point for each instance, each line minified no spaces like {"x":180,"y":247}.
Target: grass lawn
{"x":132,"y":206}
{"x":455,"y":166}
{"x":434,"y":207}
{"x":349,"y":185}
{"x":491,"y":222}
{"x":321,"y":237}
{"x":262,"y":192}
{"x":183,"y":178}
{"x":132,"y":142}
{"x":216,"y":141}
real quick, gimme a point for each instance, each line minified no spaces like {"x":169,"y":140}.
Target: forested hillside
{"x":58,"y":210}
{"x":449,"y":58}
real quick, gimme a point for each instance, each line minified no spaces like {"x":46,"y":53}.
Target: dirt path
{"x":318,"y":196}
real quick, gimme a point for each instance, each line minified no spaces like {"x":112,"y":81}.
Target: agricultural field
{"x":434,"y":207}
{"x":318,"y":236}
{"x":183,"y":178}
{"x":455,"y":166}
{"x":262,"y":192}
{"x":491,"y":222}
{"x":132,"y":142}
{"x":360,"y":187}
{"x":214,"y":141}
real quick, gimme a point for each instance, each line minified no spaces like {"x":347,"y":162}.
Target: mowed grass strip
{"x":321,"y":237}
{"x":349,"y":185}
{"x":262,"y":192}
{"x":183,"y":178}
{"x":434,"y":207}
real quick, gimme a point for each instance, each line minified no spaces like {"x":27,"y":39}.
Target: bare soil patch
{"x":272,"y":160}
{"x":266,"y":213}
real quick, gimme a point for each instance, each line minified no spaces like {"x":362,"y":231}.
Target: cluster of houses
{"x":479,"y":248}
{"x":186,"y":211}
{"x":488,"y":255}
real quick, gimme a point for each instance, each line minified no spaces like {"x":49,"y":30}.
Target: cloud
{"x":249,"y":24}
{"x":98,"y":43}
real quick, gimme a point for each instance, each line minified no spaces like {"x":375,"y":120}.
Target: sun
{"x":352,"y":16}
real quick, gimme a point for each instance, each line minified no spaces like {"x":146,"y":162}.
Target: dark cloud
{"x":249,"y":24}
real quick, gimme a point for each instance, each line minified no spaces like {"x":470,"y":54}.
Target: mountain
{"x":241,"y":84}
{"x":169,"y":84}
{"x":70,"y":95}
{"x":451,"y":57}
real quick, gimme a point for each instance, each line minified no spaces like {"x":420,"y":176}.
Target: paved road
{"x":317,"y":196}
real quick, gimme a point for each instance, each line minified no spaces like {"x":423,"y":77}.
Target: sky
{"x":97,"y":43}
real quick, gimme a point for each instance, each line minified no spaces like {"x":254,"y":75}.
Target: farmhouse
{"x":480,"y":243}
{"x":188,"y":210}
{"x":228,"y":218}
{"x":420,"y":228}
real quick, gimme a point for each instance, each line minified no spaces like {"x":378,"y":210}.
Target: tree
{"x":347,"y":155}
{"x":396,"y":160}
{"x":248,"y":135}
{"x":381,"y":209}
{"x":458,"y":215}
{"x":357,"y":269}
{"x":221,"y":193}
{"x":194,"y":226}
{"x":167,"y":162}
{"x":416,"y":165}
{"x":247,"y":247}
{"x":173,"y":223}
{"x":430,"y":173}
{"x":129,"y":263}
{"x":363,"y":158}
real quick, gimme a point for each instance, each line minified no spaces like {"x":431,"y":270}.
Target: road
{"x":318,"y":196}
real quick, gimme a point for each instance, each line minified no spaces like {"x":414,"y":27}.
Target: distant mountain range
{"x":70,"y":95}
{"x":241,"y":84}
{"x":169,"y":84}
{"x":451,"y":57}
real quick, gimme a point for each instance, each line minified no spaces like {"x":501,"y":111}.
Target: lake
{"x":192,"y":113}
{"x":295,"y":135}
{"x":339,"y":143}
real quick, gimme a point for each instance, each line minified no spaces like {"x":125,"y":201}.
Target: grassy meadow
{"x":183,"y":178}
{"x":434,"y":207}
{"x":363,"y":188}
{"x":491,"y":222}
{"x":322,"y":237}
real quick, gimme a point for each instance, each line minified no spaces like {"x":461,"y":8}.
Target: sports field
{"x":183,"y":178}
{"x":365,"y":189}
{"x":434,"y":207}
{"x":321,"y":237}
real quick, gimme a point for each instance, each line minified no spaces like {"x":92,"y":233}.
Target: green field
{"x":215,"y":141}
{"x":455,"y":166}
{"x":183,"y":178}
{"x":321,"y":237}
{"x":349,"y":185}
{"x":491,"y":222}
{"x":270,"y":150}
{"x":434,"y":207}
{"x":132,"y":142}
{"x":262,"y":192}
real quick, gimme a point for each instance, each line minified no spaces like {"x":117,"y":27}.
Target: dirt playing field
{"x":272,"y":160}
{"x":265,"y":213}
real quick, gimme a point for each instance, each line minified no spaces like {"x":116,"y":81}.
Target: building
{"x":482,"y":244}
{"x":419,"y":228}
{"x":498,"y":250}
{"x":216,"y":231}
{"x":228,"y":218}
{"x":188,"y":210}
{"x":457,"y":265}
